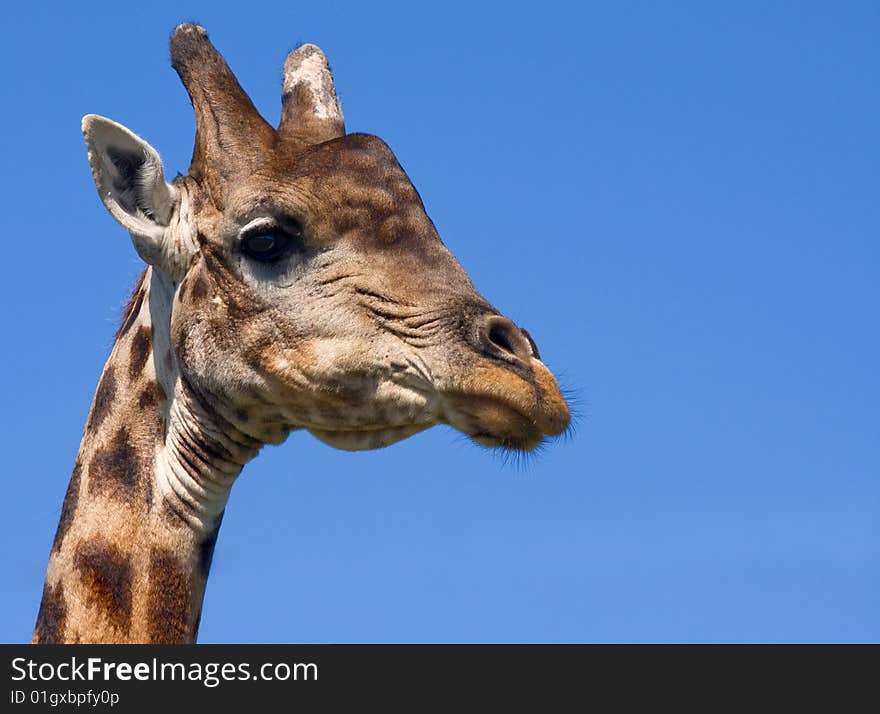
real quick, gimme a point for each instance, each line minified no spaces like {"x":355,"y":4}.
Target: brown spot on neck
{"x":68,"y":509}
{"x":103,"y":399}
{"x":151,"y":395}
{"x":106,"y":575}
{"x":52,"y":617}
{"x":115,"y":470}
{"x":141,"y":346}
{"x":171,"y":601}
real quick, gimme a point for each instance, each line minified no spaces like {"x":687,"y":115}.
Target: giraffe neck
{"x":134,"y":544}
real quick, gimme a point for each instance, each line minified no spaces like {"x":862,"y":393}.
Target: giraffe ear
{"x":128,"y":174}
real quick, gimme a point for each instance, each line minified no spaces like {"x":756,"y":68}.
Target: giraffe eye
{"x":269,"y":240}
{"x":266,"y":246}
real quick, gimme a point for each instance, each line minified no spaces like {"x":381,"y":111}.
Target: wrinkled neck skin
{"x":131,"y":556}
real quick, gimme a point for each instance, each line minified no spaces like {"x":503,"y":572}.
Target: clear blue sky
{"x":680,"y":202}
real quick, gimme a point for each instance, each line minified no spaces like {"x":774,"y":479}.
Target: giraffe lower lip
{"x":484,"y":438}
{"x":365,"y":438}
{"x":493,"y":422}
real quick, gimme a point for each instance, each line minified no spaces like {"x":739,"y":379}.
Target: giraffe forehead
{"x":342,"y":185}
{"x":362,"y":154}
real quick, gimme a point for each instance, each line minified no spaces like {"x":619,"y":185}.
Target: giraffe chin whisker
{"x":508,"y":443}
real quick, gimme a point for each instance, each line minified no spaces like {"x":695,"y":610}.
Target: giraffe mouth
{"x":499,"y":409}
{"x":495,"y":424}
{"x":494,"y":407}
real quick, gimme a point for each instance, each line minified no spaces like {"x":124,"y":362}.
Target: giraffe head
{"x":310,"y":288}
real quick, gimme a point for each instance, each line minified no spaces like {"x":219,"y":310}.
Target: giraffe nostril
{"x":532,"y":344}
{"x":501,"y":338}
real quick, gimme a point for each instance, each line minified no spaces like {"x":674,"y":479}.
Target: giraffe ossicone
{"x":293,"y":282}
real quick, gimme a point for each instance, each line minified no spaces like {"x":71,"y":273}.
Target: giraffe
{"x":293,"y":281}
